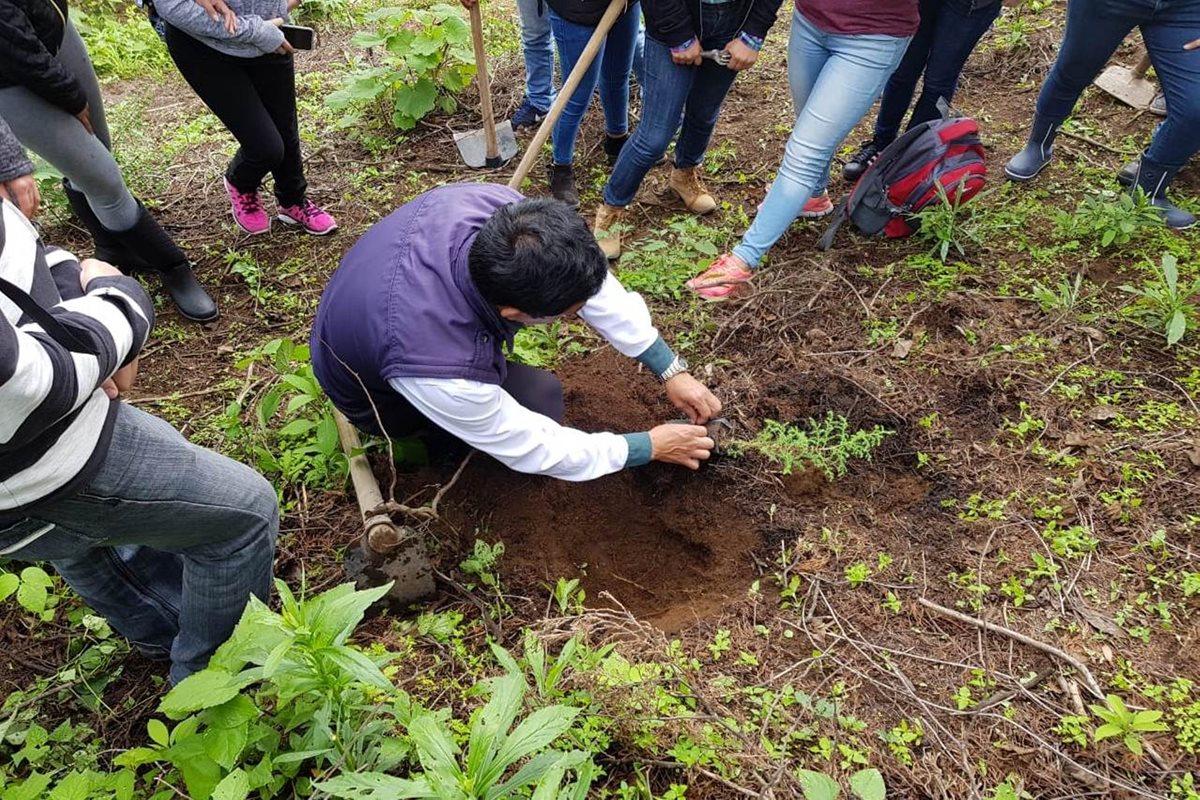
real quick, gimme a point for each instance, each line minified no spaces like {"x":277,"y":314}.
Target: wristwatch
{"x":679,"y":365}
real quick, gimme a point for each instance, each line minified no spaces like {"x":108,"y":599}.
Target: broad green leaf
{"x":8,"y":584}
{"x":375,"y":786}
{"x":435,"y":748}
{"x":327,"y":435}
{"x":225,"y":745}
{"x":867,"y":784}
{"x":817,"y":785}
{"x":415,"y":101}
{"x":234,"y":786}
{"x":1134,"y":744}
{"x":297,"y":427}
{"x":354,"y":663}
{"x":34,"y":788}
{"x":1176,"y":327}
{"x":301,"y":755}
{"x":158,"y":732}
{"x":547,"y":788}
{"x":73,"y":786}
{"x":1105,"y":731}
{"x":536,"y":731}
{"x":236,"y":713}
{"x":201,"y":690}
{"x":32,"y":594}
{"x":535,"y":768}
{"x":335,"y":617}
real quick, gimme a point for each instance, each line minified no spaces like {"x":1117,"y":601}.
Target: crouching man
{"x":412,"y":330}
{"x":164,"y":538}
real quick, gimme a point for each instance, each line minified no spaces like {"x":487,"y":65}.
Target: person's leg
{"x":848,"y":83}
{"x":639,"y":58}
{"x":900,"y":86}
{"x":537,"y":47}
{"x":571,"y":39}
{"x":1175,"y":140}
{"x":615,"y":68}
{"x":1094,"y":29}
{"x":221,"y":521}
{"x":225,"y":85}
{"x":960,"y":26}
{"x":274,"y":79}
{"x":74,"y":56}
{"x":536,"y":389}
{"x":710,"y":87}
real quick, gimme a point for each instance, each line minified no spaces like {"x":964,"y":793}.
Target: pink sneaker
{"x":817,"y":207}
{"x":248,"y":211}
{"x":724,"y":279}
{"x":315,"y":219}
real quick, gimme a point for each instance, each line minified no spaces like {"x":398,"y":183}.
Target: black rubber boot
{"x":1154,"y":179}
{"x":1128,"y":173}
{"x":562,"y":184}
{"x":108,"y":247}
{"x":612,"y":147}
{"x":149,"y":244}
{"x":1036,"y":154}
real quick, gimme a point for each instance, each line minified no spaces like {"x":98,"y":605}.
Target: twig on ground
{"x":1085,"y":673}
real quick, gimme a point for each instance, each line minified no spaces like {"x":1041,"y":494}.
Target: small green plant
{"x":866,"y":784}
{"x":426,"y":60}
{"x":826,"y":445}
{"x":1164,"y":303}
{"x":121,"y":43}
{"x":33,"y":589}
{"x":946,"y":226}
{"x":660,"y":265}
{"x":1063,"y":298}
{"x":482,"y":562}
{"x":1110,"y":219}
{"x":544,"y":346}
{"x":1120,"y":720}
{"x":857,"y":574}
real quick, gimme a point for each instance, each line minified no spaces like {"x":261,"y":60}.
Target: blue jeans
{"x":671,"y":90}
{"x":168,"y":541}
{"x":949,"y":31}
{"x":1096,"y":27}
{"x":609,"y":72}
{"x":538,"y":50}
{"x":834,"y":79}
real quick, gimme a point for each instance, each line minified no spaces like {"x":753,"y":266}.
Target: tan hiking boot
{"x":687,"y":184}
{"x":608,"y":239}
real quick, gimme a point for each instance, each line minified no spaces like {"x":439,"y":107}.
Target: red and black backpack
{"x":905,"y":177}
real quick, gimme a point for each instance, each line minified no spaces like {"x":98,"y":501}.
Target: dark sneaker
{"x":562,"y":184}
{"x":527,"y":115}
{"x":860,"y":160}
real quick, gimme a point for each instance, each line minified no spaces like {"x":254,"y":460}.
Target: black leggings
{"x":256,"y":99}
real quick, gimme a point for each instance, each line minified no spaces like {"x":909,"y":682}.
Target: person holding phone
{"x":50,"y":97}
{"x":241,"y":66}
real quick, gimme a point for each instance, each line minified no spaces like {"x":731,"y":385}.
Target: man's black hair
{"x":539,"y":256}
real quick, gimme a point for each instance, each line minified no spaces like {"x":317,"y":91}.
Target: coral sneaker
{"x":311,"y":216}
{"x":817,"y":207}
{"x":248,"y":211}
{"x":724,"y":278}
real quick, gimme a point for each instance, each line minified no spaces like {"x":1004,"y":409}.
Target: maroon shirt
{"x":887,"y":17}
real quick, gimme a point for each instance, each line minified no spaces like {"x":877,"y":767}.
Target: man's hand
{"x":218,"y":11}
{"x":23,"y":193}
{"x":685,"y":445}
{"x":741,"y":55}
{"x":85,"y":119}
{"x":689,"y":56}
{"x":692,"y":398}
{"x":91,"y":268}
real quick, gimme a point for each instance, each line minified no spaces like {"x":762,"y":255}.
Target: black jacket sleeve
{"x":761,"y":17}
{"x":670,"y":20}
{"x":25,"y":61}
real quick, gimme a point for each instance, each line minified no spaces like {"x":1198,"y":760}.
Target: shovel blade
{"x":472,"y":146}
{"x":1121,"y":83}
{"x":408,"y":569}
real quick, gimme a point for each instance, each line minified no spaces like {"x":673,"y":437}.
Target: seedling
{"x":1165,"y":303}
{"x":1120,"y":720}
{"x":827,"y":445}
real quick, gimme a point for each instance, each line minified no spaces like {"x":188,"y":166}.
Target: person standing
{"x":1171,"y":31}
{"x":840,"y":55}
{"x":537,"y":50}
{"x":242,"y":68}
{"x":679,"y":82}
{"x":948,"y":33}
{"x":573,"y":22}
{"x":50,"y":97}
{"x":165,"y":539}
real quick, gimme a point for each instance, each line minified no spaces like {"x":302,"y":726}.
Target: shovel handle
{"x":1143,"y":66}
{"x":491,"y":143}
{"x":566,"y":91}
{"x":378,"y":530}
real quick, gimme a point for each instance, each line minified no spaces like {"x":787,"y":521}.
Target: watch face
{"x":683,"y":364}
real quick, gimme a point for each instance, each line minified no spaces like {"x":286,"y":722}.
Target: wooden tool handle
{"x":568,"y":88}
{"x":1143,"y":66}
{"x":379,"y":532}
{"x":492,"y":145}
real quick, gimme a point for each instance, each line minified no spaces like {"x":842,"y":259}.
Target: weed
{"x":1063,"y":298}
{"x":1164,"y":303}
{"x":659,"y":266}
{"x":827,"y":445}
{"x":1110,"y":219}
{"x":482,"y":562}
{"x":120,"y":42}
{"x":33,"y":590}
{"x":947,"y":227}
{"x":857,"y":574}
{"x":1120,"y":720}
{"x":544,"y":346}
{"x":426,"y":60}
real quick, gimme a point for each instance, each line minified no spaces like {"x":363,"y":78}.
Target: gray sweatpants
{"x":62,"y":140}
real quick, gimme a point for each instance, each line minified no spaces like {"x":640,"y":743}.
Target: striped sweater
{"x":55,"y":420}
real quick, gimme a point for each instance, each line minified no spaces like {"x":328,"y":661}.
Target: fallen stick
{"x":1089,"y":680}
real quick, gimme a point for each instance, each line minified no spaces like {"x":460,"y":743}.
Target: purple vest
{"x":402,"y":304}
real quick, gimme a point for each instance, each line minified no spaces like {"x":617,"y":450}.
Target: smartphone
{"x":298,"y":36}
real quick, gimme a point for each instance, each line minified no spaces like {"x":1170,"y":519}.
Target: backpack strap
{"x":839,"y":217}
{"x":53,"y":328}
